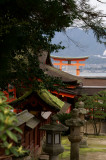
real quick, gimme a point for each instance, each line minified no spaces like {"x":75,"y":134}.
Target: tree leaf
{"x":12,"y":135}
{"x":7,"y":152}
{"x":1,"y":117}
{"x":18,"y":129}
{"x":4,"y":137}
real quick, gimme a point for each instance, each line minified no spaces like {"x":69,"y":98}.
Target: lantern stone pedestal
{"x":53,"y":138}
{"x":82,"y":112}
{"x":75,"y":123}
{"x":53,"y":158}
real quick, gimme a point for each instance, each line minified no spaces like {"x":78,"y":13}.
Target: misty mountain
{"x":79,"y":43}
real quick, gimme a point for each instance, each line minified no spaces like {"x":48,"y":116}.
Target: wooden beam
{"x":64,"y":94}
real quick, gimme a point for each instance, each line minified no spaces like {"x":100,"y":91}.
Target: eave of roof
{"x":54,"y":72}
{"x":66,"y":77}
{"x":89,"y":90}
{"x":101,"y":87}
{"x":65,"y":107}
{"x":29,"y":119}
{"x":45,"y":95}
{"x":23,"y":117}
{"x":94,"y":77}
{"x":22,"y":98}
{"x":50,"y":98}
{"x":32,"y":123}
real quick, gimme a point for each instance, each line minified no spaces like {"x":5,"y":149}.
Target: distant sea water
{"x":92,"y":74}
{"x":84,"y":73}
{"x":87,"y":74}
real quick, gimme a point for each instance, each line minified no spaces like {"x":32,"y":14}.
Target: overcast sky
{"x":100,"y":6}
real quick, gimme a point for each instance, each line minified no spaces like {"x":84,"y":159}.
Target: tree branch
{"x":101,"y":2}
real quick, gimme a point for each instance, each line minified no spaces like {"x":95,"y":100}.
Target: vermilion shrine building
{"x":76,"y":85}
{"x":40,"y":106}
{"x":72,"y":82}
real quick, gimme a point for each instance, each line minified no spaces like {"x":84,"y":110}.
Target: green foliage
{"x":8,"y":122}
{"x":96,"y":105}
{"x":62,"y":118}
{"x":27,"y":28}
{"x":29,"y":75}
{"x":85,"y":150}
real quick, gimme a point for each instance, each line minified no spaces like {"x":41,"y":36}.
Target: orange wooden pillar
{"x":60,"y":64}
{"x":77,"y":67}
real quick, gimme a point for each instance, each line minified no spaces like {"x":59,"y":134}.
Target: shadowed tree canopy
{"x":27,"y":28}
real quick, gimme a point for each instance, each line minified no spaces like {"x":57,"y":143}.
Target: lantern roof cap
{"x":54,"y":126}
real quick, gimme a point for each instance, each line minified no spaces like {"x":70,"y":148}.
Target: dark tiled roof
{"x":32,"y":123}
{"x":44,"y":95}
{"x":68,"y":90}
{"x":42,"y":57}
{"x":89,"y":90}
{"x":94,"y":81}
{"x":50,"y":99}
{"x":22,"y":98}
{"x":52,"y":71}
{"x":29,"y":119}
{"x":65,"y":107}
{"x":23,"y":117}
{"x":92,"y":85}
{"x":66,"y":77}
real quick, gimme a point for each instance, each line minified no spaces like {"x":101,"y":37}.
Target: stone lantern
{"x":82,"y":112}
{"x":53,"y":138}
{"x":75,"y":123}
